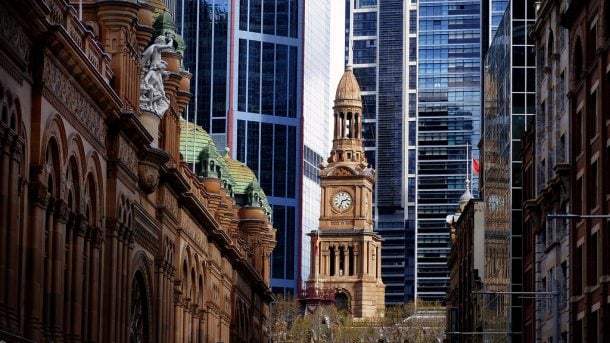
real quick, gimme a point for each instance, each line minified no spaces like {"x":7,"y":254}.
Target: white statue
{"x":152,"y":93}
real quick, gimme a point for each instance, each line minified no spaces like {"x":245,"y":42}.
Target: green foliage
{"x":402,"y":323}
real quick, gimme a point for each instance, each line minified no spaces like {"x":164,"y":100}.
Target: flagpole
{"x":468,"y":161}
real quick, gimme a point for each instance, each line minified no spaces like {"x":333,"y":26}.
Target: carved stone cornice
{"x":69,"y":100}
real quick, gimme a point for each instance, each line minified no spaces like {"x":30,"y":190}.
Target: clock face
{"x":342,"y":200}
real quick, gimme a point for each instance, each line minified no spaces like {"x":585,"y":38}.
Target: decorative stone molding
{"x":61,"y":88}
{"x":127,"y":155}
{"x":13,"y":35}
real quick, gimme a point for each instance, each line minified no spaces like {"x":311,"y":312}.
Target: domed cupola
{"x":347,"y":136}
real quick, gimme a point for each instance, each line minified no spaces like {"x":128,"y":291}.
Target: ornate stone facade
{"x":346,"y":252}
{"x":105,"y":234}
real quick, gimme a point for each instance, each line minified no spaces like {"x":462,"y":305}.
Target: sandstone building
{"x":346,"y":252}
{"x":105,"y":233}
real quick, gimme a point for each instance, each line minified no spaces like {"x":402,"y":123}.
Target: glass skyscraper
{"x":510,"y":99}
{"x":317,"y":105}
{"x":375,"y":40}
{"x":448,"y":126}
{"x":246,"y":57}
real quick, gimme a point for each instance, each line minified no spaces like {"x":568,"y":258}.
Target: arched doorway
{"x":139,"y":326}
{"x":342,"y":301}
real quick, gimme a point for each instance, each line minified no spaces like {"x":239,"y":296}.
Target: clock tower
{"x":346,"y":252}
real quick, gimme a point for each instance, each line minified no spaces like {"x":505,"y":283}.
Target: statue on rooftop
{"x":152,"y":93}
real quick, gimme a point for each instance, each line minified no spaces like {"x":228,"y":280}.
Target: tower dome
{"x":348,"y":90}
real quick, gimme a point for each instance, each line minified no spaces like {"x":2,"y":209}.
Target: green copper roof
{"x":193,"y":140}
{"x":242,"y":175}
{"x":197,"y":147}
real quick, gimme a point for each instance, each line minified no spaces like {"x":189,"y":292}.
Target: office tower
{"x":510,"y":107}
{"x":448,"y":124}
{"x":247,"y":65}
{"x":317,"y":103}
{"x":375,"y":40}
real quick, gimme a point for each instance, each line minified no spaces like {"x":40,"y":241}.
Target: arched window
{"x":577,"y":62}
{"x":139,"y":311}
{"x":550,"y":50}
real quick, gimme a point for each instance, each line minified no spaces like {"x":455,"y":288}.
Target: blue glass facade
{"x":204,"y":24}
{"x":448,"y":126}
{"x":262,"y":120}
{"x":268,"y":138}
{"x":375,"y":41}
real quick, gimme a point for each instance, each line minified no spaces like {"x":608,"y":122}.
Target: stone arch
{"x":193,"y":285}
{"x":55,"y":128}
{"x":550,"y":49}
{"x":184,"y":277}
{"x":96,"y":183}
{"x":4,"y":116}
{"x":53,"y":167}
{"x":91,"y":202}
{"x":343,"y":300}
{"x":73,"y":186}
{"x":76,"y":148}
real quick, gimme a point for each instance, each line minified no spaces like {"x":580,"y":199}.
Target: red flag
{"x":475,"y":166}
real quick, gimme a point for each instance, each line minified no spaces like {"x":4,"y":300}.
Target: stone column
{"x":97,"y":240}
{"x":194,"y":325}
{"x":58,"y":262}
{"x":4,"y":228}
{"x":48,"y":269}
{"x":378,"y":262}
{"x":67,"y":291}
{"x":86,"y":284}
{"x":160,"y":292}
{"x":345,"y":255}
{"x":366,"y":257}
{"x":178,"y":317}
{"x":337,"y":125}
{"x":202,"y":333}
{"x":14,"y":230}
{"x":111,"y":259}
{"x":34,"y":271}
{"x":80,"y":230}
{"x":337,"y":260}
{"x":186,"y":320}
